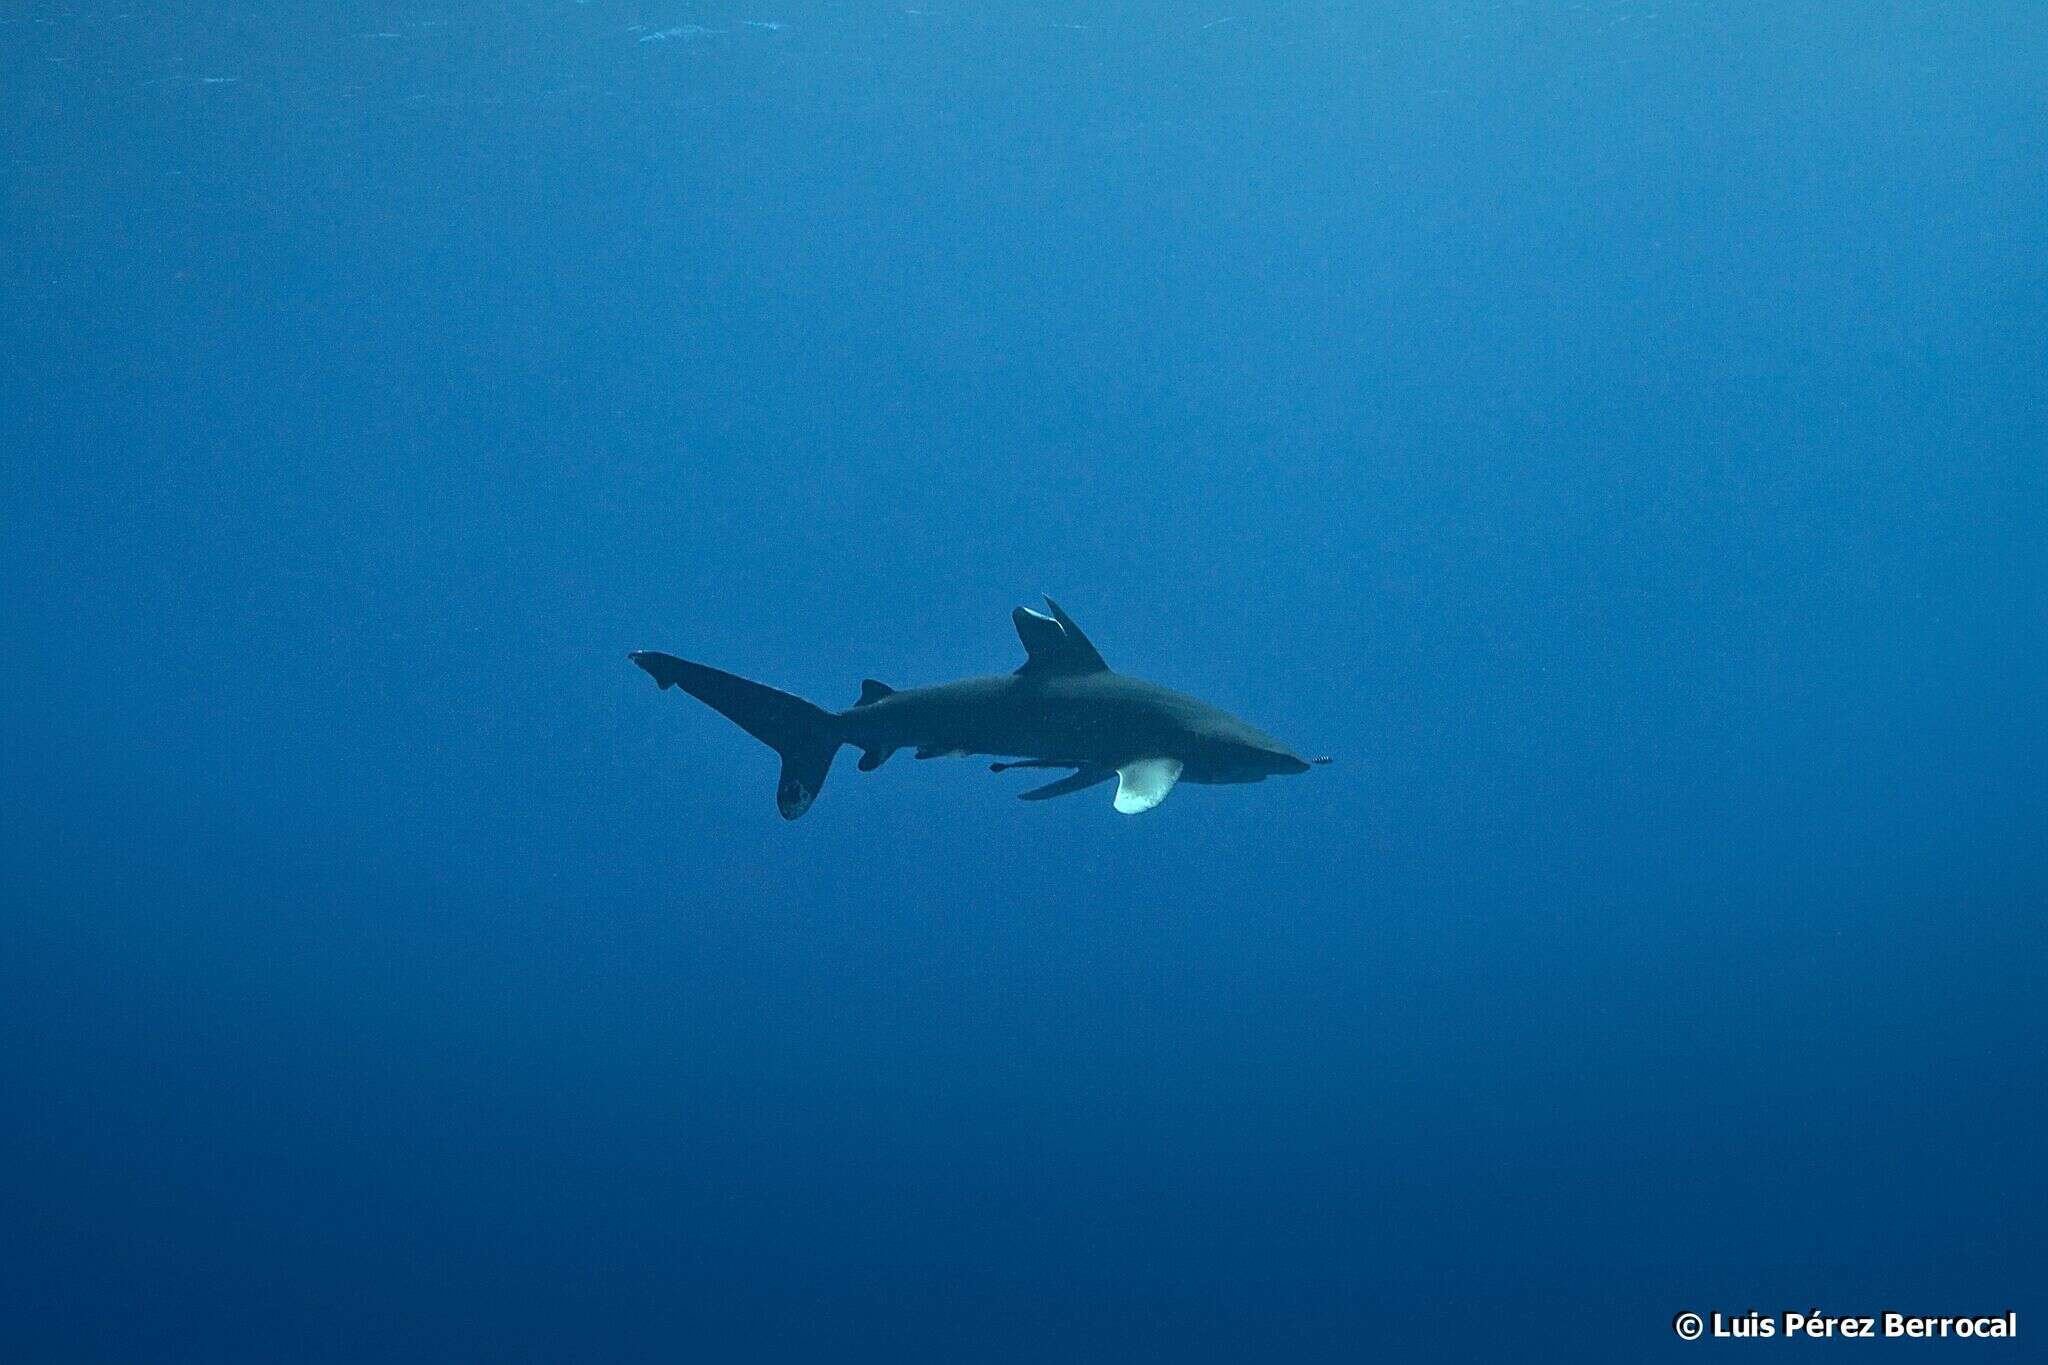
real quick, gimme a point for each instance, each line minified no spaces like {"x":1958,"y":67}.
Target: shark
{"x":1063,"y":708}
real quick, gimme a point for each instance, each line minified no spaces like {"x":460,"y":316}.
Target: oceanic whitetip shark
{"x":1064,"y":708}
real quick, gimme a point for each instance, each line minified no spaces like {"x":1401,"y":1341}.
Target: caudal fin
{"x":805,"y":735}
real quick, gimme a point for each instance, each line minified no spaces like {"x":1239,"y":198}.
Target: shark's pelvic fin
{"x":1072,"y":782}
{"x":1054,"y":644}
{"x":1143,"y":784}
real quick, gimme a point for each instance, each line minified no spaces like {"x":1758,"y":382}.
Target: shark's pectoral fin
{"x":1072,"y":782}
{"x":1143,"y":784}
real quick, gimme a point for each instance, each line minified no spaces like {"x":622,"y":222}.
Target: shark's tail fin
{"x":805,"y":735}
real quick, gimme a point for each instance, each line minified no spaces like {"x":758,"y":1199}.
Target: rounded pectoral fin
{"x":1144,"y":783}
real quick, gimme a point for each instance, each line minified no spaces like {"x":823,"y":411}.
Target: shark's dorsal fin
{"x":872,"y":692}
{"x":1042,"y":639}
{"x":1054,"y":643}
{"x":1079,"y":646}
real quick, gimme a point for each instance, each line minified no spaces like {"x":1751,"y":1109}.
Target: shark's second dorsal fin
{"x":1054,"y":643}
{"x":872,"y":692}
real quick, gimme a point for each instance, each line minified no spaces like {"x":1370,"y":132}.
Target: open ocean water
{"x":1613,"y":430}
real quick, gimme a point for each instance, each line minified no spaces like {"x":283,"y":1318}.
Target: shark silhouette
{"x":1064,"y":708}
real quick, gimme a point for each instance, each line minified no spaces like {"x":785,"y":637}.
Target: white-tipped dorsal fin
{"x":1054,"y":643}
{"x":1144,"y":783}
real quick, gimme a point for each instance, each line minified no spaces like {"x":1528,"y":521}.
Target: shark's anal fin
{"x":1072,"y":782}
{"x":1144,"y":783}
{"x":1054,"y":644}
{"x":872,"y":759}
{"x":872,"y":692}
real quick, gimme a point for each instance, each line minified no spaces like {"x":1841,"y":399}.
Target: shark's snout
{"x":1262,"y":762}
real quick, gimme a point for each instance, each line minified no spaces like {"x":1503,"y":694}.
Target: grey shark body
{"x":1065,"y":708}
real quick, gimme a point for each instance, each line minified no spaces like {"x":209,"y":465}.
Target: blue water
{"x":1614,"y":431}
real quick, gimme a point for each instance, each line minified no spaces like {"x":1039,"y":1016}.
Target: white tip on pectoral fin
{"x":1145,"y":783}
